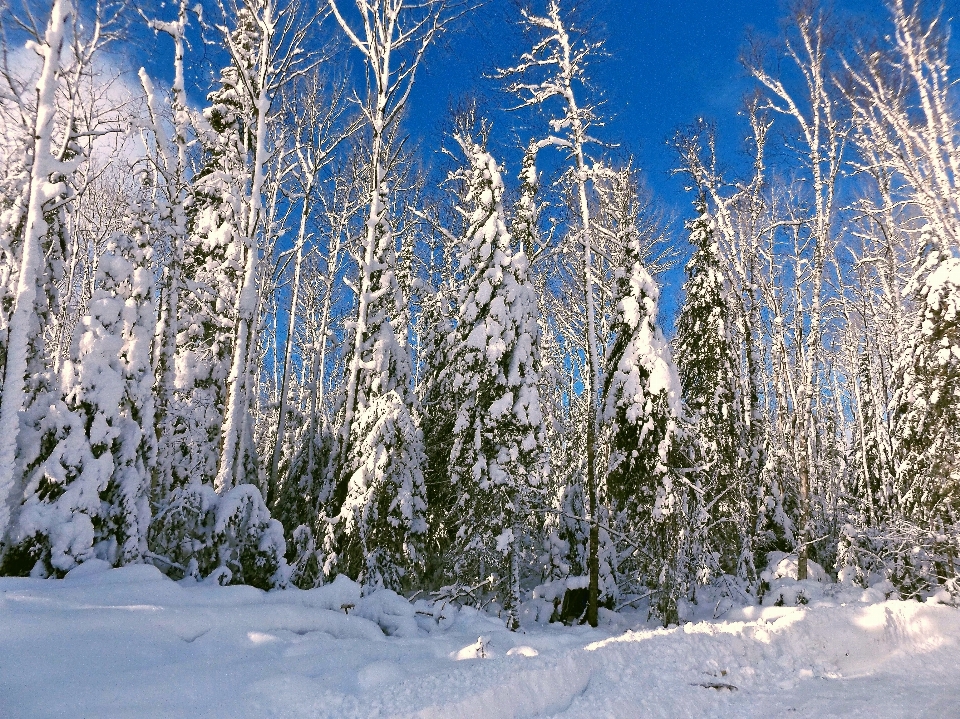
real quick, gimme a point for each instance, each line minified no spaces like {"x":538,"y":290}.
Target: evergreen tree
{"x":497,"y":459}
{"x":927,"y":421}
{"x":213,"y":267}
{"x":706,"y":365}
{"x":379,"y":499}
{"x":439,"y":415}
{"x":641,"y":396}
{"x":89,"y":448}
{"x":209,"y":522}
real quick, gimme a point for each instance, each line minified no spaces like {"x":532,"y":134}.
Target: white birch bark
{"x":41,"y":191}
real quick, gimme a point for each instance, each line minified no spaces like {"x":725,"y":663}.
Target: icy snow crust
{"x":129,"y":642}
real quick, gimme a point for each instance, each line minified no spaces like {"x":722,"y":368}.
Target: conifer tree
{"x":212,"y":520}
{"x":498,"y":457}
{"x":213,"y":269}
{"x":927,"y":421}
{"x":705,"y":361}
{"x":439,"y":413}
{"x":88,"y":447}
{"x":379,"y":499}
{"x":641,"y":397}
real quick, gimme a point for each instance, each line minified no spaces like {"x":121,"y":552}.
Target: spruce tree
{"x":87,"y":464}
{"x":706,"y":365}
{"x":641,"y":397}
{"x":379,"y":497}
{"x":927,"y":422}
{"x":211,"y":521}
{"x":439,"y":414}
{"x":213,"y":267}
{"x":497,"y":459}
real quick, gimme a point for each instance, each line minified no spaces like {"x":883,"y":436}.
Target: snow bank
{"x":130,"y":642}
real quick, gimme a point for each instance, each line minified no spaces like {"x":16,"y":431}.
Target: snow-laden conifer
{"x":439,"y":416}
{"x":497,"y":459}
{"x":706,"y":363}
{"x":380,"y":498}
{"x":87,"y":449}
{"x":213,"y":267}
{"x":927,"y":421}
{"x":112,"y":387}
{"x":640,"y":411}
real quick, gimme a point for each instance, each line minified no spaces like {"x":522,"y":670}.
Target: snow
{"x":130,"y":642}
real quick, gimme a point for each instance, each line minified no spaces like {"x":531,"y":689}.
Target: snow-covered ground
{"x":131,"y":643}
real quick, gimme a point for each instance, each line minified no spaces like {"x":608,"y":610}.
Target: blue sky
{"x":669,"y":62}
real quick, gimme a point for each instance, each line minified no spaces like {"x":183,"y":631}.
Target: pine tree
{"x":498,"y":457}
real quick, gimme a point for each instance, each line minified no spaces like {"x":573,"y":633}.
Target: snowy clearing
{"x":130,"y":642}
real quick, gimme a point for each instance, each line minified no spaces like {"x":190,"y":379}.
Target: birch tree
{"x":822,"y":133}
{"x":316,"y":111}
{"x":392,"y":37}
{"x":555,"y":67}
{"x":170,"y":227}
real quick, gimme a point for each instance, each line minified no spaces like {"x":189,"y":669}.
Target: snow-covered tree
{"x":214,"y":263}
{"x":927,"y":408}
{"x":439,"y":417}
{"x":170,"y":230}
{"x":380,"y":479}
{"x":556,"y":68}
{"x":497,"y":459}
{"x":378,"y":386}
{"x":641,"y":410}
{"x":705,"y":361}
{"x":87,"y":450}
{"x":30,"y":250}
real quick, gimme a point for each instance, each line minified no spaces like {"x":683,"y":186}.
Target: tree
{"x":555,"y":68}
{"x":394,"y":39}
{"x":705,"y":361}
{"x":927,"y":415}
{"x":822,"y":130}
{"x":316,"y":111}
{"x":378,"y":389}
{"x":87,"y":475}
{"x":37,"y":242}
{"x":497,"y":459}
{"x":640,"y":414}
{"x":23,"y":340}
{"x":170,"y":226}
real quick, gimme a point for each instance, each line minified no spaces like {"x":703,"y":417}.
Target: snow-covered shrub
{"x":199,"y":533}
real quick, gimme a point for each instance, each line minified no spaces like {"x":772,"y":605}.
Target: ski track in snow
{"x":130,"y":643}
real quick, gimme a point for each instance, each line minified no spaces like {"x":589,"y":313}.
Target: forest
{"x":252,"y":333}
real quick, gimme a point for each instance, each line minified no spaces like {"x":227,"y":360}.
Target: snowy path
{"x":130,"y":643}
